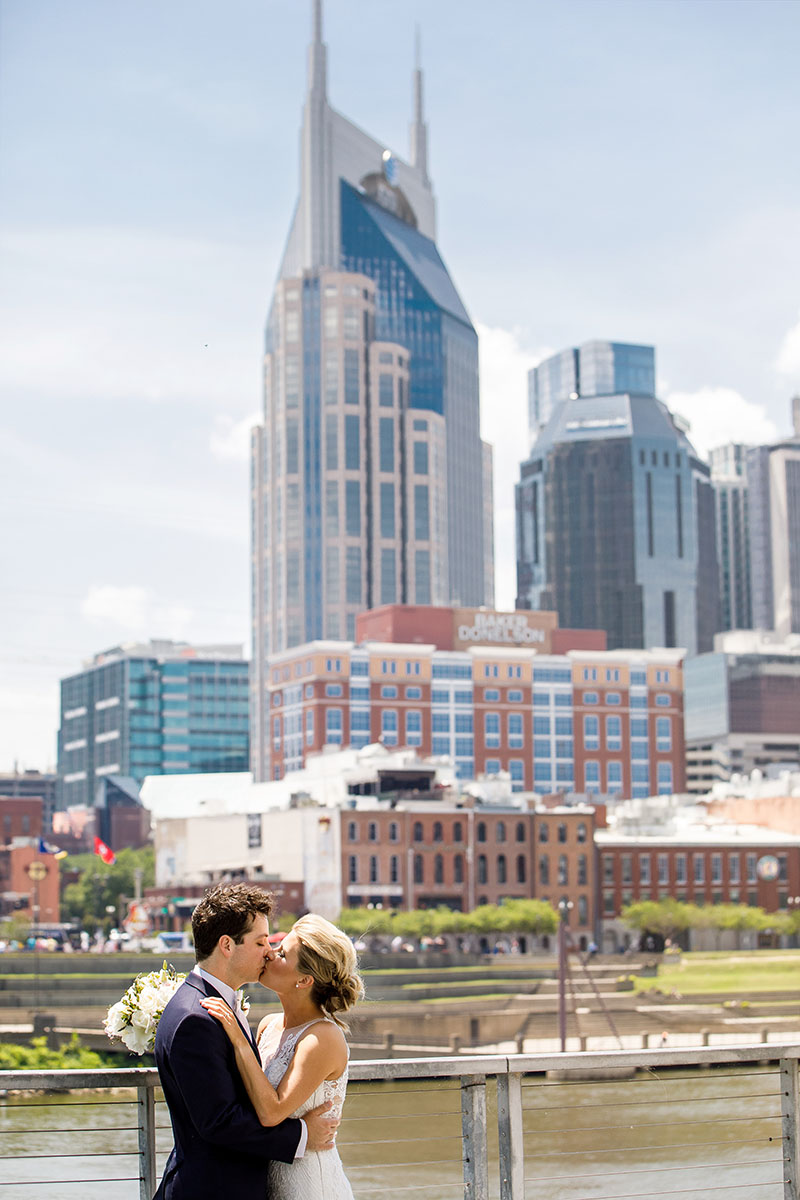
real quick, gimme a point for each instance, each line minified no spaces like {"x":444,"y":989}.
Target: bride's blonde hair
{"x":329,"y":957}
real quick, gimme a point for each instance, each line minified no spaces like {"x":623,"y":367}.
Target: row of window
{"x":683,"y":863}
{"x":436,"y":868}
{"x":614,"y":699}
{"x":456,"y":831}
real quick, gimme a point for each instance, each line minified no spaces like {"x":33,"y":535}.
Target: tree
{"x":100,"y":886}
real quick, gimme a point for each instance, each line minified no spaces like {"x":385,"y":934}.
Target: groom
{"x":220,"y":1146}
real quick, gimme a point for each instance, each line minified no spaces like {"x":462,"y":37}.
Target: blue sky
{"x":608,"y":169}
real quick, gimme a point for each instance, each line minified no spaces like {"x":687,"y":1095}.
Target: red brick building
{"x":493,"y":692}
{"x":422,"y":856}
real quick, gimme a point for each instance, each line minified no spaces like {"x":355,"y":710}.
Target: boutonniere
{"x":243,"y":1001}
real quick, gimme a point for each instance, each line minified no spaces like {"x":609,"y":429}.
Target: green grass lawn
{"x":738,"y":972}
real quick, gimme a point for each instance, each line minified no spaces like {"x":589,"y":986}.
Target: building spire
{"x":419,"y":130}
{"x":317,"y":54}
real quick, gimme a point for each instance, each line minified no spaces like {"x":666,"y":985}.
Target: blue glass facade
{"x":144,"y":716}
{"x":417,"y":306}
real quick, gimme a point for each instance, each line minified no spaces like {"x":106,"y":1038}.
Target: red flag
{"x":105,"y":852}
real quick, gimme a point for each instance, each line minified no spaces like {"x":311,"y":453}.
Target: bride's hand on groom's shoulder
{"x":321,"y":1127}
{"x":225,"y":1016}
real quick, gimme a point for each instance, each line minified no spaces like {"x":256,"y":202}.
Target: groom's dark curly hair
{"x":229,"y":908}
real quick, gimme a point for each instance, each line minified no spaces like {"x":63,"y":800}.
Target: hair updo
{"x":329,"y":957}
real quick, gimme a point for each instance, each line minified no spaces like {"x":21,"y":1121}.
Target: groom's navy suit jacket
{"x":220,"y":1146}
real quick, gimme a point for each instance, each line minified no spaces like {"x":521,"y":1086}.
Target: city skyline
{"x":149,"y":164}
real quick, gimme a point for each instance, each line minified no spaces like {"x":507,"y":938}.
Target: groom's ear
{"x":226,"y":944}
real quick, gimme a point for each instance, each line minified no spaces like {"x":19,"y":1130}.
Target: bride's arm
{"x":314,"y":1060}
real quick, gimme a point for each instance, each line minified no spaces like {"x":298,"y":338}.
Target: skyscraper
{"x":615,"y":512}
{"x":157,"y":708}
{"x":773,"y":474}
{"x":368,"y":470}
{"x":729,"y":479}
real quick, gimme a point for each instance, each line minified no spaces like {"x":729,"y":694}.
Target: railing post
{"x":473,"y":1130}
{"x":790,"y":1112}
{"x":146,"y":1114}
{"x":509,"y":1129}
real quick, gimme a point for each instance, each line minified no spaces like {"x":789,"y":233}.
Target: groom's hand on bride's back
{"x":321,"y":1127}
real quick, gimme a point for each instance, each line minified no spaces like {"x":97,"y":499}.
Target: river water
{"x":701,"y":1135}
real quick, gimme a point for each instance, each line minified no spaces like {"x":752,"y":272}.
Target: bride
{"x":304,"y":1054}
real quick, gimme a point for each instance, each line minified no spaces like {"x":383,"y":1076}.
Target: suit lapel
{"x":207,"y":989}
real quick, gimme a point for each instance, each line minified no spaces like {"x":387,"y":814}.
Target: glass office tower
{"x":368,"y":471}
{"x":155,"y":709}
{"x":615,"y":512}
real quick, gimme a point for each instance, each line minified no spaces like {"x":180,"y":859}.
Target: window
{"x":420,"y":458}
{"x":664,"y":778}
{"x":352,"y":832}
{"x":541,"y":726}
{"x":734,"y":867}
{"x":544,"y":832}
{"x":520,"y":831}
{"x":492,"y":729}
{"x":583,"y":911}
{"x":458,"y":869}
{"x":591,"y":733}
{"x":613,"y":698}
{"x":614,"y":776}
{"x":716,"y":868}
{"x":589,"y":674}
{"x":482,"y":872}
{"x":663,"y":700}
{"x":514,"y":696}
{"x":394,"y":832}
{"x":372,"y":831}
{"x":491,"y":695}
{"x":608,"y":868}
{"x":458,"y":835}
{"x":389,"y":726}
{"x":389,"y":692}
{"x":663,"y":735}
{"x":699,"y":866}
{"x":385,"y":391}
{"x":582,"y":870}
{"x":413,"y":693}
{"x":627,"y":868}
{"x":613,"y":733}
{"x":515,"y":731}
{"x":544,"y":870}
{"x":438,"y":869}
{"x":644,"y":870}
{"x":418,"y":831}
{"x":373,"y":868}
{"x":501,"y":869}
{"x":422,"y":528}
{"x":481,"y":832}
{"x":564,"y":727}
{"x":333,"y":725}
{"x":440,"y":722}
{"x":500,"y":831}
{"x":541,"y":748}
{"x":590,"y":698}
{"x":663,"y":868}
{"x":394,"y":869}
{"x":352,"y":869}
{"x":521,"y":869}
{"x":438,"y":835}
{"x":333,"y":689}
{"x":563,"y":871}
{"x":680,"y":869}
{"x":419,"y":875}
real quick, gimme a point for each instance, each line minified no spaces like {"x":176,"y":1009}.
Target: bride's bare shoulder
{"x":265,"y":1023}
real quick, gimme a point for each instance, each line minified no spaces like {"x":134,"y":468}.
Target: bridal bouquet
{"x":134,"y":1019}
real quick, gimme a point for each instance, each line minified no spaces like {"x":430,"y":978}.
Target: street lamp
{"x":36,"y":871}
{"x":563,"y":915}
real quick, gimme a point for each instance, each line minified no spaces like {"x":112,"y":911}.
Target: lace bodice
{"x":277,"y":1046}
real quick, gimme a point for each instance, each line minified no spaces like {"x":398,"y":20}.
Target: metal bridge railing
{"x":710,"y":1123}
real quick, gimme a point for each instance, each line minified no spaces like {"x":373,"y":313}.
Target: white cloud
{"x":718,"y":415}
{"x":230,"y":440}
{"x":136,"y":611}
{"x":504,"y":366}
{"x":788,"y":360}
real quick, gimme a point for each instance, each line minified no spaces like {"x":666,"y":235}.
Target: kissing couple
{"x":257,"y":1115}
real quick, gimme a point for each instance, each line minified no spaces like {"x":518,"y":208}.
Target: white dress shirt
{"x":229,"y":996}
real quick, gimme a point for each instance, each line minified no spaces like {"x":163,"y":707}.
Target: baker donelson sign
{"x":476,"y":627}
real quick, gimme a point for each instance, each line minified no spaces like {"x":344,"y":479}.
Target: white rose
{"x":148,"y":1001}
{"x":136,"y":1039}
{"x":115,"y":1021}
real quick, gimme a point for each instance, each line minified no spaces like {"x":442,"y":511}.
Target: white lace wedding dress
{"x":319,"y":1175}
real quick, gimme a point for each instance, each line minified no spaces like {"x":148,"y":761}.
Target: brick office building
{"x":699,"y":865}
{"x":495,"y":692}
{"x":460,"y":856}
